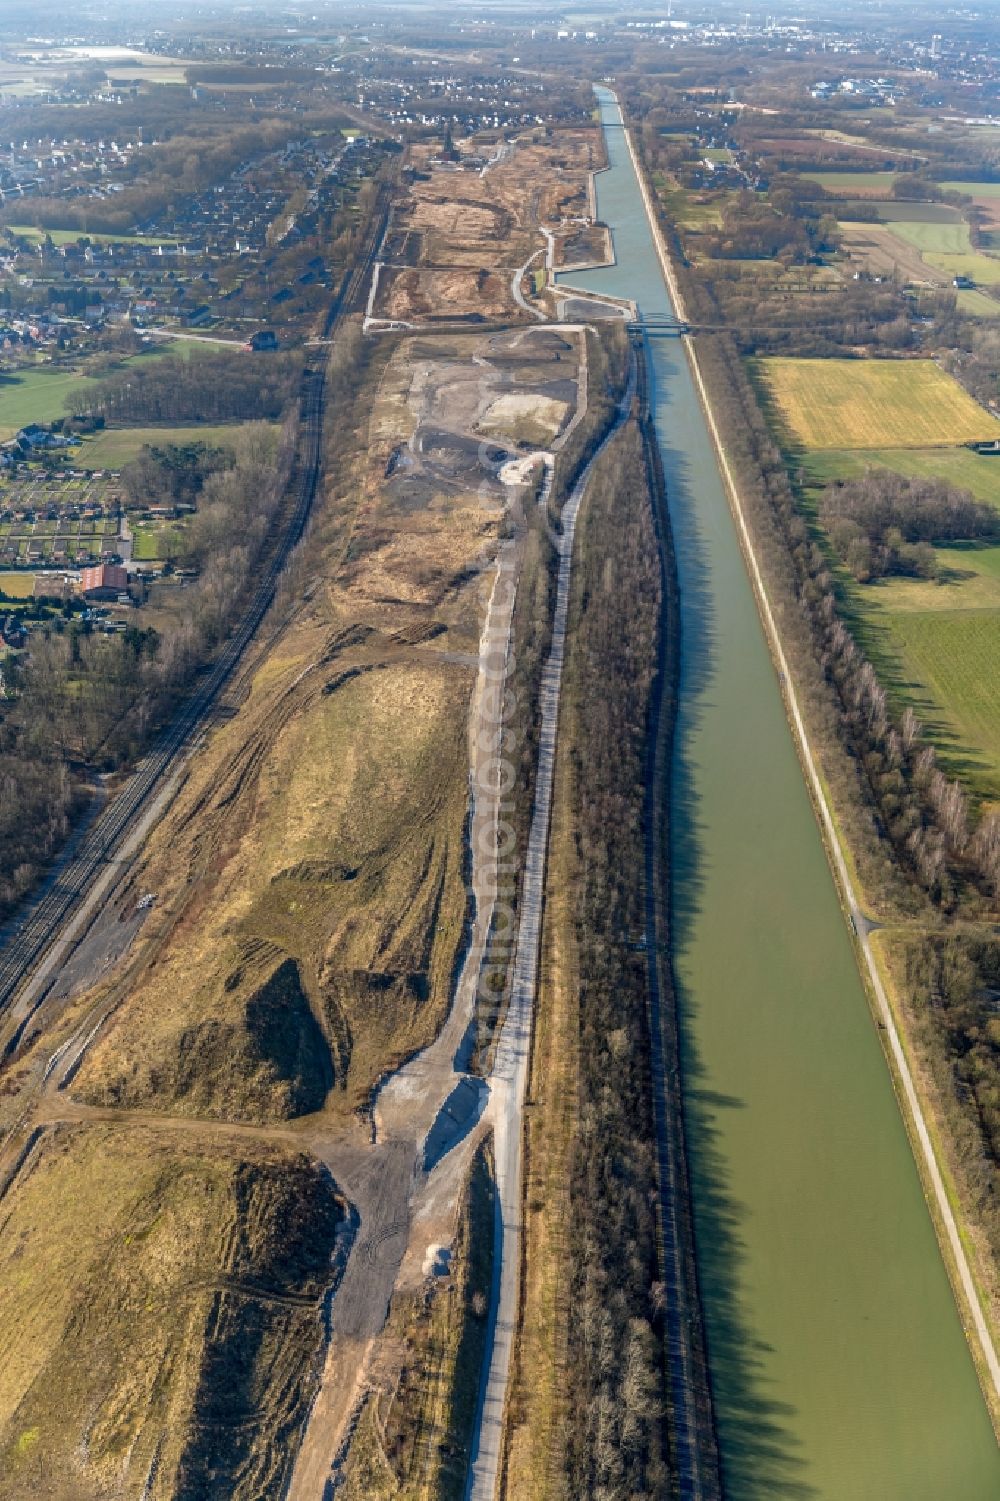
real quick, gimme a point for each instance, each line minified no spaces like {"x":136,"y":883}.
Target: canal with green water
{"x":838,"y":1360}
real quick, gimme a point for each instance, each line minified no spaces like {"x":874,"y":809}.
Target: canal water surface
{"x":838,"y":1358}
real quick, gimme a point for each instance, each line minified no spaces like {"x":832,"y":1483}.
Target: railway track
{"x":99,"y":846}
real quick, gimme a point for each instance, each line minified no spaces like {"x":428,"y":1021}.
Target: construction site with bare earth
{"x":262,"y":1131}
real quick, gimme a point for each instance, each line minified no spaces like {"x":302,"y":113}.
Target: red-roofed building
{"x":104,"y":582}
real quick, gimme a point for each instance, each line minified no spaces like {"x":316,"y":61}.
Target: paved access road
{"x":508,"y":1078}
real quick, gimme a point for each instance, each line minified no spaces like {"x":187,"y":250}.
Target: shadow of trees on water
{"x":761,"y":1456}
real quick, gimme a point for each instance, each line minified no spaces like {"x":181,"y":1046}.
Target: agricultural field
{"x":961,"y":467}
{"x":38,"y":69}
{"x":946,"y":663}
{"x":936,"y":644}
{"x":974,"y":189}
{"x":882,"y":251}
{"x":855,"y":184}
{"x":941,"y":236}
{"x":978,"y":305}
{"x":906,"y":211}
{"x":871,"y":404}
{"x":860,"y":142}
{"x":35,"y":395}
{"x":977,"y":267}
{"x":116,"y":446}
{"x":925,"y":251}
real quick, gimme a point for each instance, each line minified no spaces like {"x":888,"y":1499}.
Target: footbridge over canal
{"x":660,"y":326}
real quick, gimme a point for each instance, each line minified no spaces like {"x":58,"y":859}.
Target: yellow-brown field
{"x":872,"y":404}
{"x":155,"y":1292}
{"x":458,"y":235}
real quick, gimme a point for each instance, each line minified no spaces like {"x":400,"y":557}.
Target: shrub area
{"x":216,"y":387}
{"x":885,"y":523}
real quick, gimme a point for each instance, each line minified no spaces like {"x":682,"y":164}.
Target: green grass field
{"x":145,"y":544}
{"x":974,"y":189}
{"x":978,"y":305}
{"x":855,"y":184}
{"x":35,"y":396}
{"x":682,"y":208}
{"x":871,"y":404}
{"x":958,"y":466}
{"x":979,"y":268}
{"x":948,"y":667}
{"x":945,"y":239}
{"x":18,"y":585}
{"x":70,"y":236}
{"x":181,"y":349}
{"x":936,"y":645}
{"x":154,"y":541}
{"x":970,"y":580}
{"x":903,"y":212}
{"x":119,"y":445}
{"x":39,"y":394}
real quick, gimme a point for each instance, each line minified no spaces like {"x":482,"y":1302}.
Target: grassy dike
{"x":588,"y":1391}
